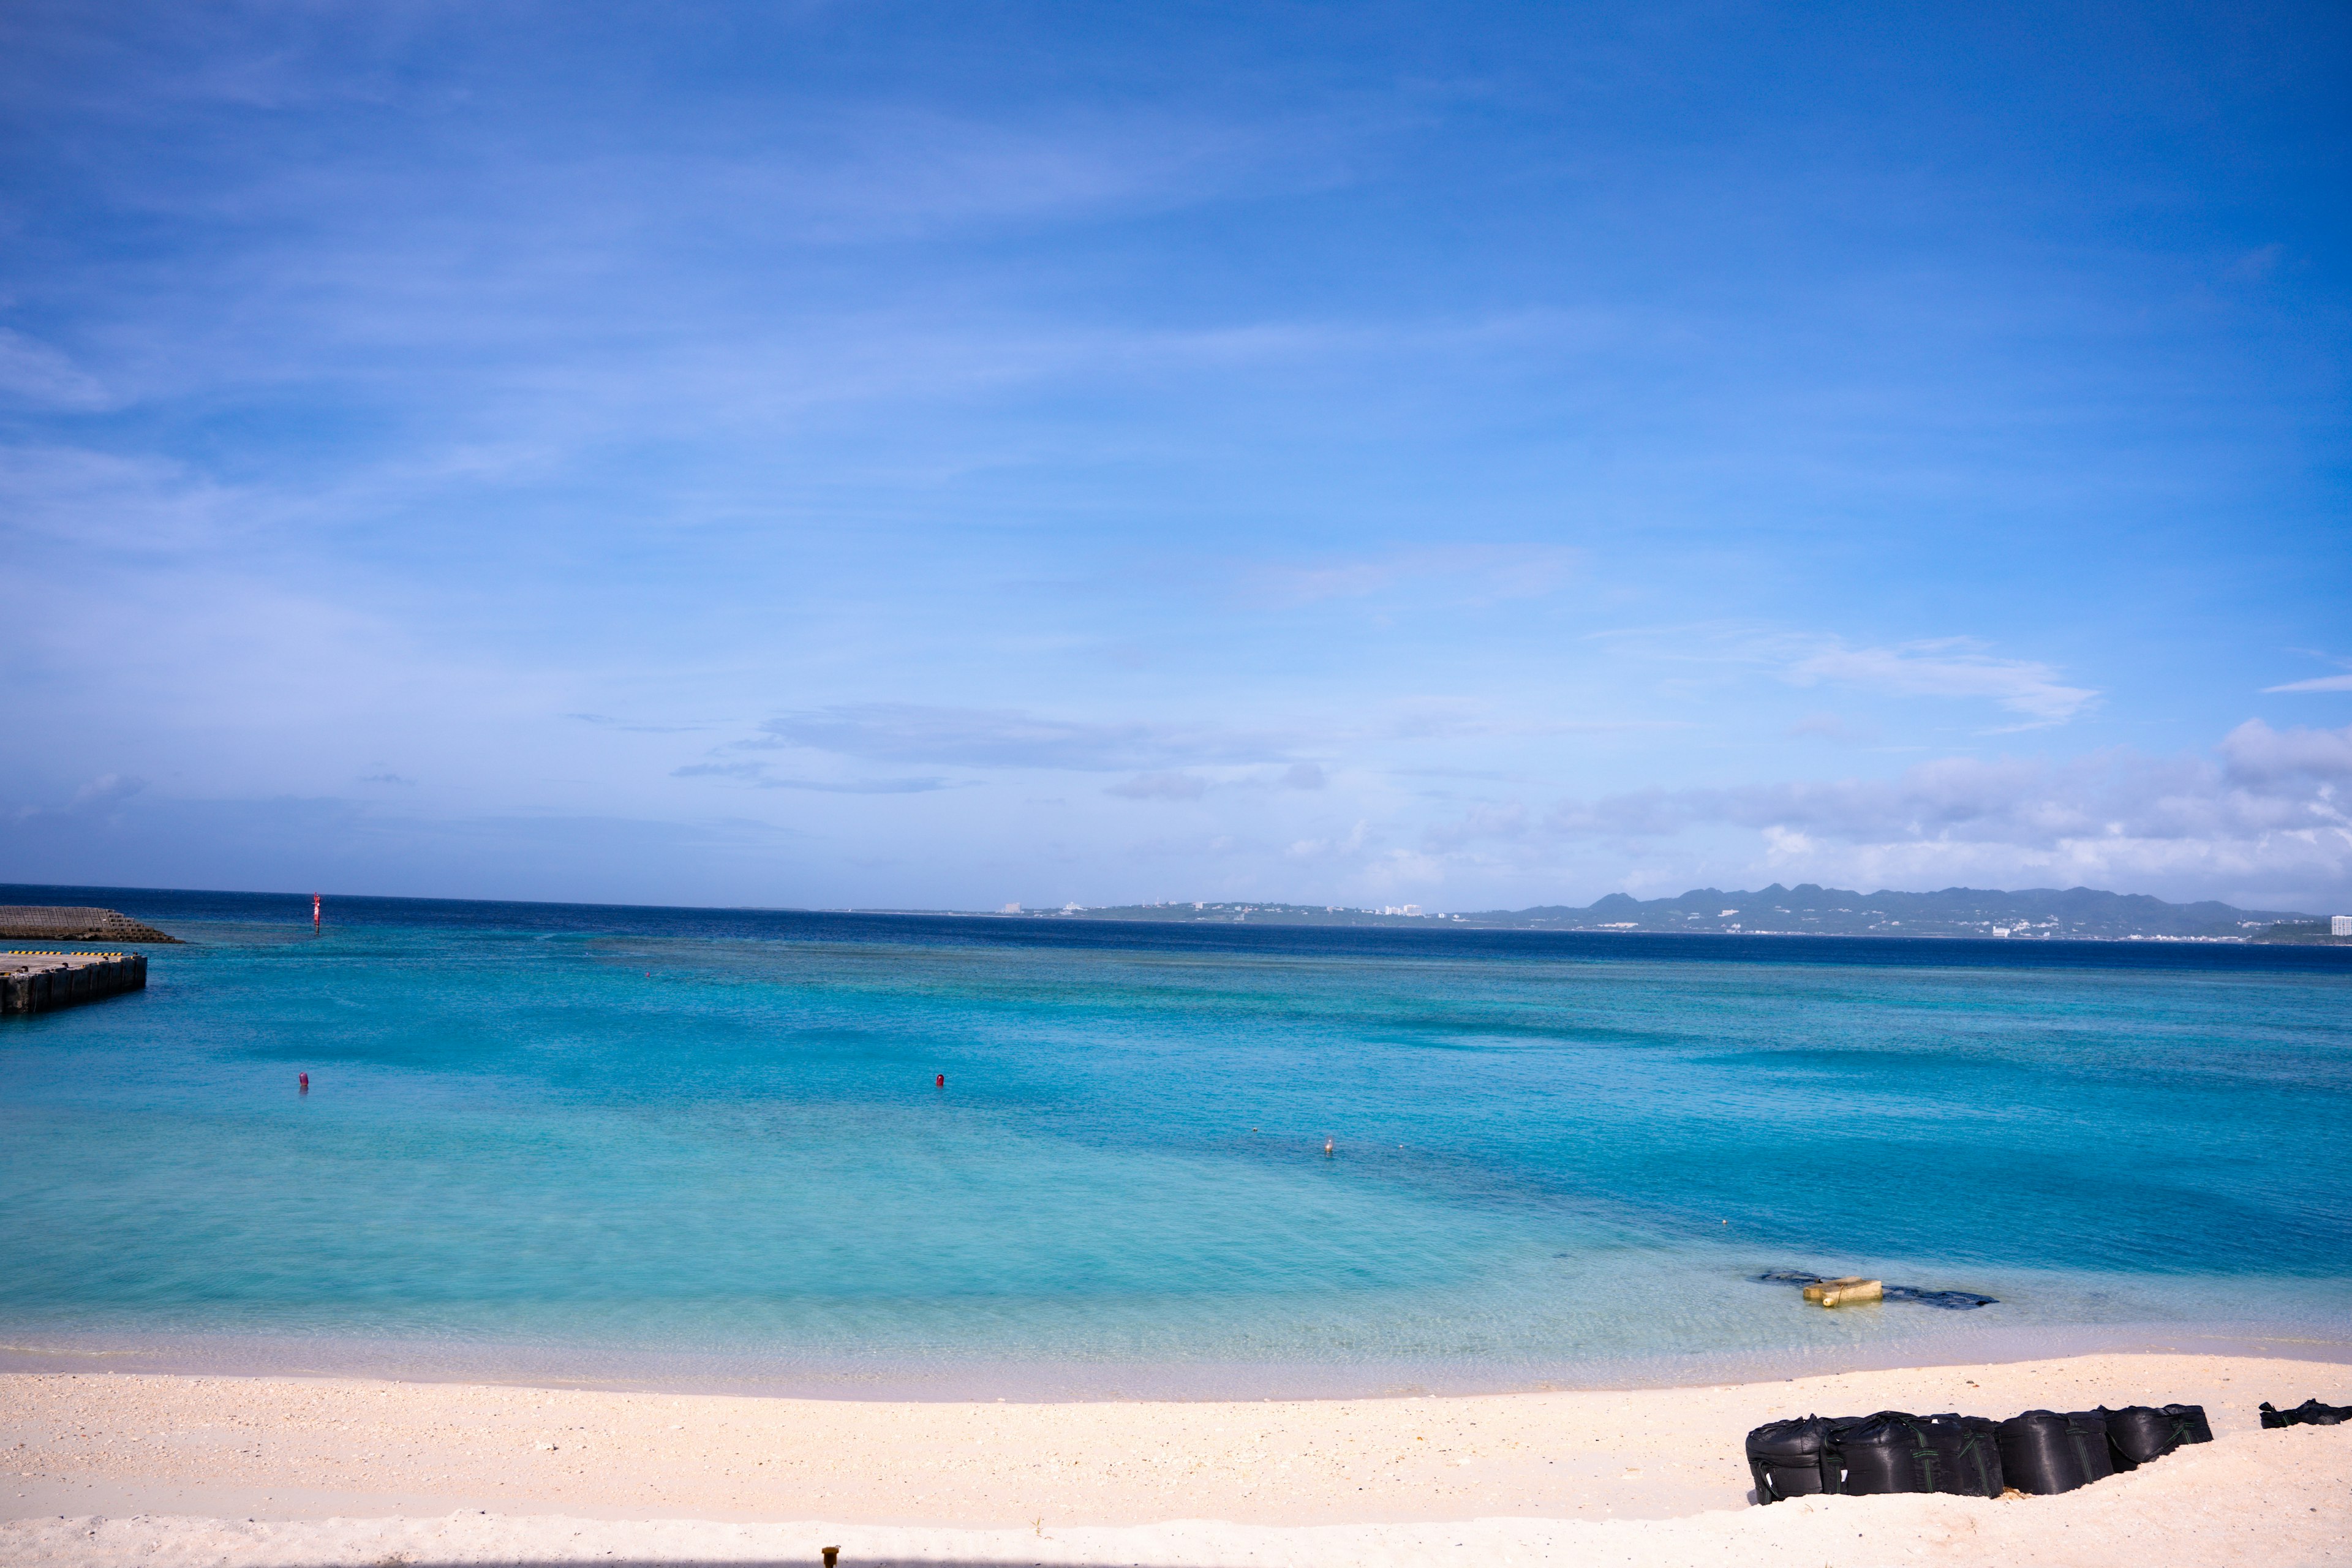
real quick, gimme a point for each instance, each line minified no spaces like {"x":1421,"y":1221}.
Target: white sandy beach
{"x":123,"y":1467}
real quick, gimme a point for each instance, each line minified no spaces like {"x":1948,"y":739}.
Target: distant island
{"x":1806,"y":910}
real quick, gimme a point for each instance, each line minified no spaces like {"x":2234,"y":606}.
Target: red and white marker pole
{"x":314,"y":911}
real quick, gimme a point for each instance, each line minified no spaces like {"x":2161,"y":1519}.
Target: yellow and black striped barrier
{"x":39,"y":982}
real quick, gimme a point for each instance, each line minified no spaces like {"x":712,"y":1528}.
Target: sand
{"x":123,"y":1467}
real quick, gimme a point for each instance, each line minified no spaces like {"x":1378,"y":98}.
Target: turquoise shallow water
{"x":692,"y":1146}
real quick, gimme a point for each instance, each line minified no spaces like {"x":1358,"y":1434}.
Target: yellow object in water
{"x":1845,"y":1292}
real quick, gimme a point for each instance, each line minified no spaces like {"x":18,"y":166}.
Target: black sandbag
{"x":1896,"y":1452}
{"x":1790,"y":1458}
{"x":2138,"y":1433}
{"x":2310,"y":1413}
{"x":2045,"y":1453}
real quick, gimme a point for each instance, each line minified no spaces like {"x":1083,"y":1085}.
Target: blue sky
{"x":913,"y":455}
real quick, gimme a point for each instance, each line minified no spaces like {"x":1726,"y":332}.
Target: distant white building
{"x":2339,"y":925}
{"x":1010,"y":909}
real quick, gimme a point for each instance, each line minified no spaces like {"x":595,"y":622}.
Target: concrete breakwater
{"x":39,"y":982}
{"x":58,"y":922}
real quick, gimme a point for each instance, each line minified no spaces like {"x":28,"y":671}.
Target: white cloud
{"x":2266,"y":808}
{"x":2318,"y":683}
{"x":2256,"y":754}
{"x":1948,"y":666}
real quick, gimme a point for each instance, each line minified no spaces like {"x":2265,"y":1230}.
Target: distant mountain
{"x":1806,"y":910}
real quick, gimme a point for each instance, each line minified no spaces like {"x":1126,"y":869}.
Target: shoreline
{"x":947,"y":1381}
{"x":283,"y":914}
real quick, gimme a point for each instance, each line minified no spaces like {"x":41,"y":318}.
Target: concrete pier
{"x":39,"y":982}
{"x":65,"y":922}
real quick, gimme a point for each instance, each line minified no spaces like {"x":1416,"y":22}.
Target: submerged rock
{"x":1817,"y":1289}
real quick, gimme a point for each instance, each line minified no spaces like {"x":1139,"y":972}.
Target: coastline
{"x":33,"y":1350}
{"x":818,"y":1300}
{"x":332,"y":1469}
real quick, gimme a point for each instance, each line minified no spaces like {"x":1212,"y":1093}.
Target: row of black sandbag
{"x":2310,"y":1413}
{"x":2041,"y":1451}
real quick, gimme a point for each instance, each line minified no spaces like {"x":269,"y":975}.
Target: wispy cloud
{"x":1350,"y":845}
{"x":759,"y":776}
{"x":1833,"y":727}
{"x":2259,"y":783}
{"x":290,"y":842}
{"x":2317,"y":683}
{"x":139,"y":505}
{"x":1469,"y":574}
{"x":95,"y":798}
{"x":986,"y":738}
{"x":901,"y":173}
{"x":1508,"y":820}
{"x":606,"y":722}
{"x":37,"y":376}
{"x":1160,"y":786}
{"x":1170,"y":784}
{"x":1948,"y":666}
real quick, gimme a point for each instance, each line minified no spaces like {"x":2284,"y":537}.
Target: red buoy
{"x":305,"y":1083}
{"x":941,"y":1082}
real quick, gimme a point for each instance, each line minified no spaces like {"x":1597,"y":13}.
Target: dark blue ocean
{"x":701,"y":1147}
